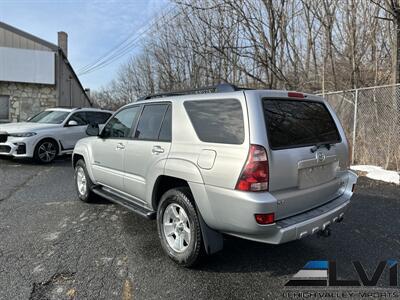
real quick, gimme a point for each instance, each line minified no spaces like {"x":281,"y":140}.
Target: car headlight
{"x":23,"y":134}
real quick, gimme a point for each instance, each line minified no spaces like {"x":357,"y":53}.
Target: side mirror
{"x":72,"y":123}
{"x":93,"y":130}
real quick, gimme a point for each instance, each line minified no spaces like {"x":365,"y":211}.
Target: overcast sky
{"x":93,"y":26}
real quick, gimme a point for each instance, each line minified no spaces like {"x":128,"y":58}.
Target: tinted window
{"x":97,"y":117}
{"x":294,"y":123}
{"x":217,"y":121}
{"x":150,"y":122}
{"x":50,"y":117}
{"x":80,"y":118}
{"x":166,"y":130}
{"x":121,"y":124}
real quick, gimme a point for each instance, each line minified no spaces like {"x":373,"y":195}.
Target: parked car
{"x":264,"y":165}
{"x":50,"y":133}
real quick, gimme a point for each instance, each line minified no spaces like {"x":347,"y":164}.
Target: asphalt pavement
{"x":53,"y":246}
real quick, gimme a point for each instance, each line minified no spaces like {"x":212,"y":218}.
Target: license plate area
{"x":317,"y":175}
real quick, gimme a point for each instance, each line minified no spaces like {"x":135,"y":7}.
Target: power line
{"x":122,"y":48}
{"x":118,"y":56}
{"x":114,"y":49}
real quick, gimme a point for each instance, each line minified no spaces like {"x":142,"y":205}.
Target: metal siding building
{"x":35,"y":74}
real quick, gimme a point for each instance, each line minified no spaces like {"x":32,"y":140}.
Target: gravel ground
{"x":53,"y":246}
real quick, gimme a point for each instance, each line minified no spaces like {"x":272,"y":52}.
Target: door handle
{"x":120,"y":146}
{"x":157,"y":150}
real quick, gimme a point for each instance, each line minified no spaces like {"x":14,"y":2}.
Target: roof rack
{"x":68,"y":107}
{"x":219,"y":88}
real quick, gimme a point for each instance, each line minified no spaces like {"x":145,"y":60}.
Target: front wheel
{"x":179,"y":227}
{"x":83,"y":183}
{"x":46,"y":151}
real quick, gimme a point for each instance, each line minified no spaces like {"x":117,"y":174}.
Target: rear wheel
{"x":46,"y":151}
{"x":83,"y":183}
{"x":179,"y":227}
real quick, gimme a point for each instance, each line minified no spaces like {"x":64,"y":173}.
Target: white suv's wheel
{"x":179,"y":227}
{"x":46,"y":151}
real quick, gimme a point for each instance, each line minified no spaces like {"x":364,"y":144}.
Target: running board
{"x":113,"y":197}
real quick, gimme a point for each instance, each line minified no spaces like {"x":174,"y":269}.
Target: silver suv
{"x":264,"y":165}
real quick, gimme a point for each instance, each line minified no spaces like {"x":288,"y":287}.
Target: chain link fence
{"x":371,"y":119}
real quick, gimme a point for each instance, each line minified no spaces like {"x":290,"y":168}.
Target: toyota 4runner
{"x":264,"y":165}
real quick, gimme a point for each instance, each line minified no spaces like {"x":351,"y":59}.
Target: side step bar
{"x":129,"y":204}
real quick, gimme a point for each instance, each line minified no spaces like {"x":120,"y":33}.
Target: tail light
{"x":255,"y":174}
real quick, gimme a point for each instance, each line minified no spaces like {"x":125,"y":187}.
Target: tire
{"x":45,"y":151}
{"x":83,"y":183}
{"x":181,"y":239}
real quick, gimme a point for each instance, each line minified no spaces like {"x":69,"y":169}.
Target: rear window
{"x":217,"y":121}
{"x":97,"y":117}
{"x":296,"y":123}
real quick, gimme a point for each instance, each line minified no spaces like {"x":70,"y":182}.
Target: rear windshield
{"x":296,"y":123}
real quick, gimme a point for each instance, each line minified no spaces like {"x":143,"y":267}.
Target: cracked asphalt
{"x":53,"y":246}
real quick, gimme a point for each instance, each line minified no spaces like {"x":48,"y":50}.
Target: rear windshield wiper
{"x":320,"y":145}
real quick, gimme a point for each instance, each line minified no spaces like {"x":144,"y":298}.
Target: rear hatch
{"x":306,"y":154}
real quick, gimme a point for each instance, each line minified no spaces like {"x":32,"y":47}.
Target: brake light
{"x":295,"y":95}
{"x":264,"y":219}
{"x":255,"y":174}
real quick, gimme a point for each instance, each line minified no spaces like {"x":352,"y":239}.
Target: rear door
{"x":305,"y":154}
{"x":146,"y":153}
{"x":71,"y":134}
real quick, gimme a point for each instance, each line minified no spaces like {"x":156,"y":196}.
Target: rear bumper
{"x":237,"y":217}
{"x":301,"y":225}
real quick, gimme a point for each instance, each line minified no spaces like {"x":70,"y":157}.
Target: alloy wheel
{"x":176,"y":227}
{"x":47,"y":151}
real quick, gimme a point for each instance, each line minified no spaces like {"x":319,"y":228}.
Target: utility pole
{"x":396,"y":42}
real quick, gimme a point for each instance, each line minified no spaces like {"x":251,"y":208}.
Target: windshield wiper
{"x":320,"y":145}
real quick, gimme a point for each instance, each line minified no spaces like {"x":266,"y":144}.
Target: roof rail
{"x":66,"y":106}
{"x":219,"y":88}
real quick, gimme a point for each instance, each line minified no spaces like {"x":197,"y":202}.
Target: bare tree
{"x":299,"y":44}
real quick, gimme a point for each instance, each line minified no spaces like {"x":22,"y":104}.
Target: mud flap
{"x":213,"y":240}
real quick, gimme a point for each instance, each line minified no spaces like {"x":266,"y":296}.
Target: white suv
{"x":50,"y":133}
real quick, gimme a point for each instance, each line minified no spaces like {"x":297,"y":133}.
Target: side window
{"x":94,"y":117}
{"x":121,"y":124}
{"x":217,"y":121}
{"x":80,"y":118}
{"x":166,"y":127}
{"x":150,"y":122}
